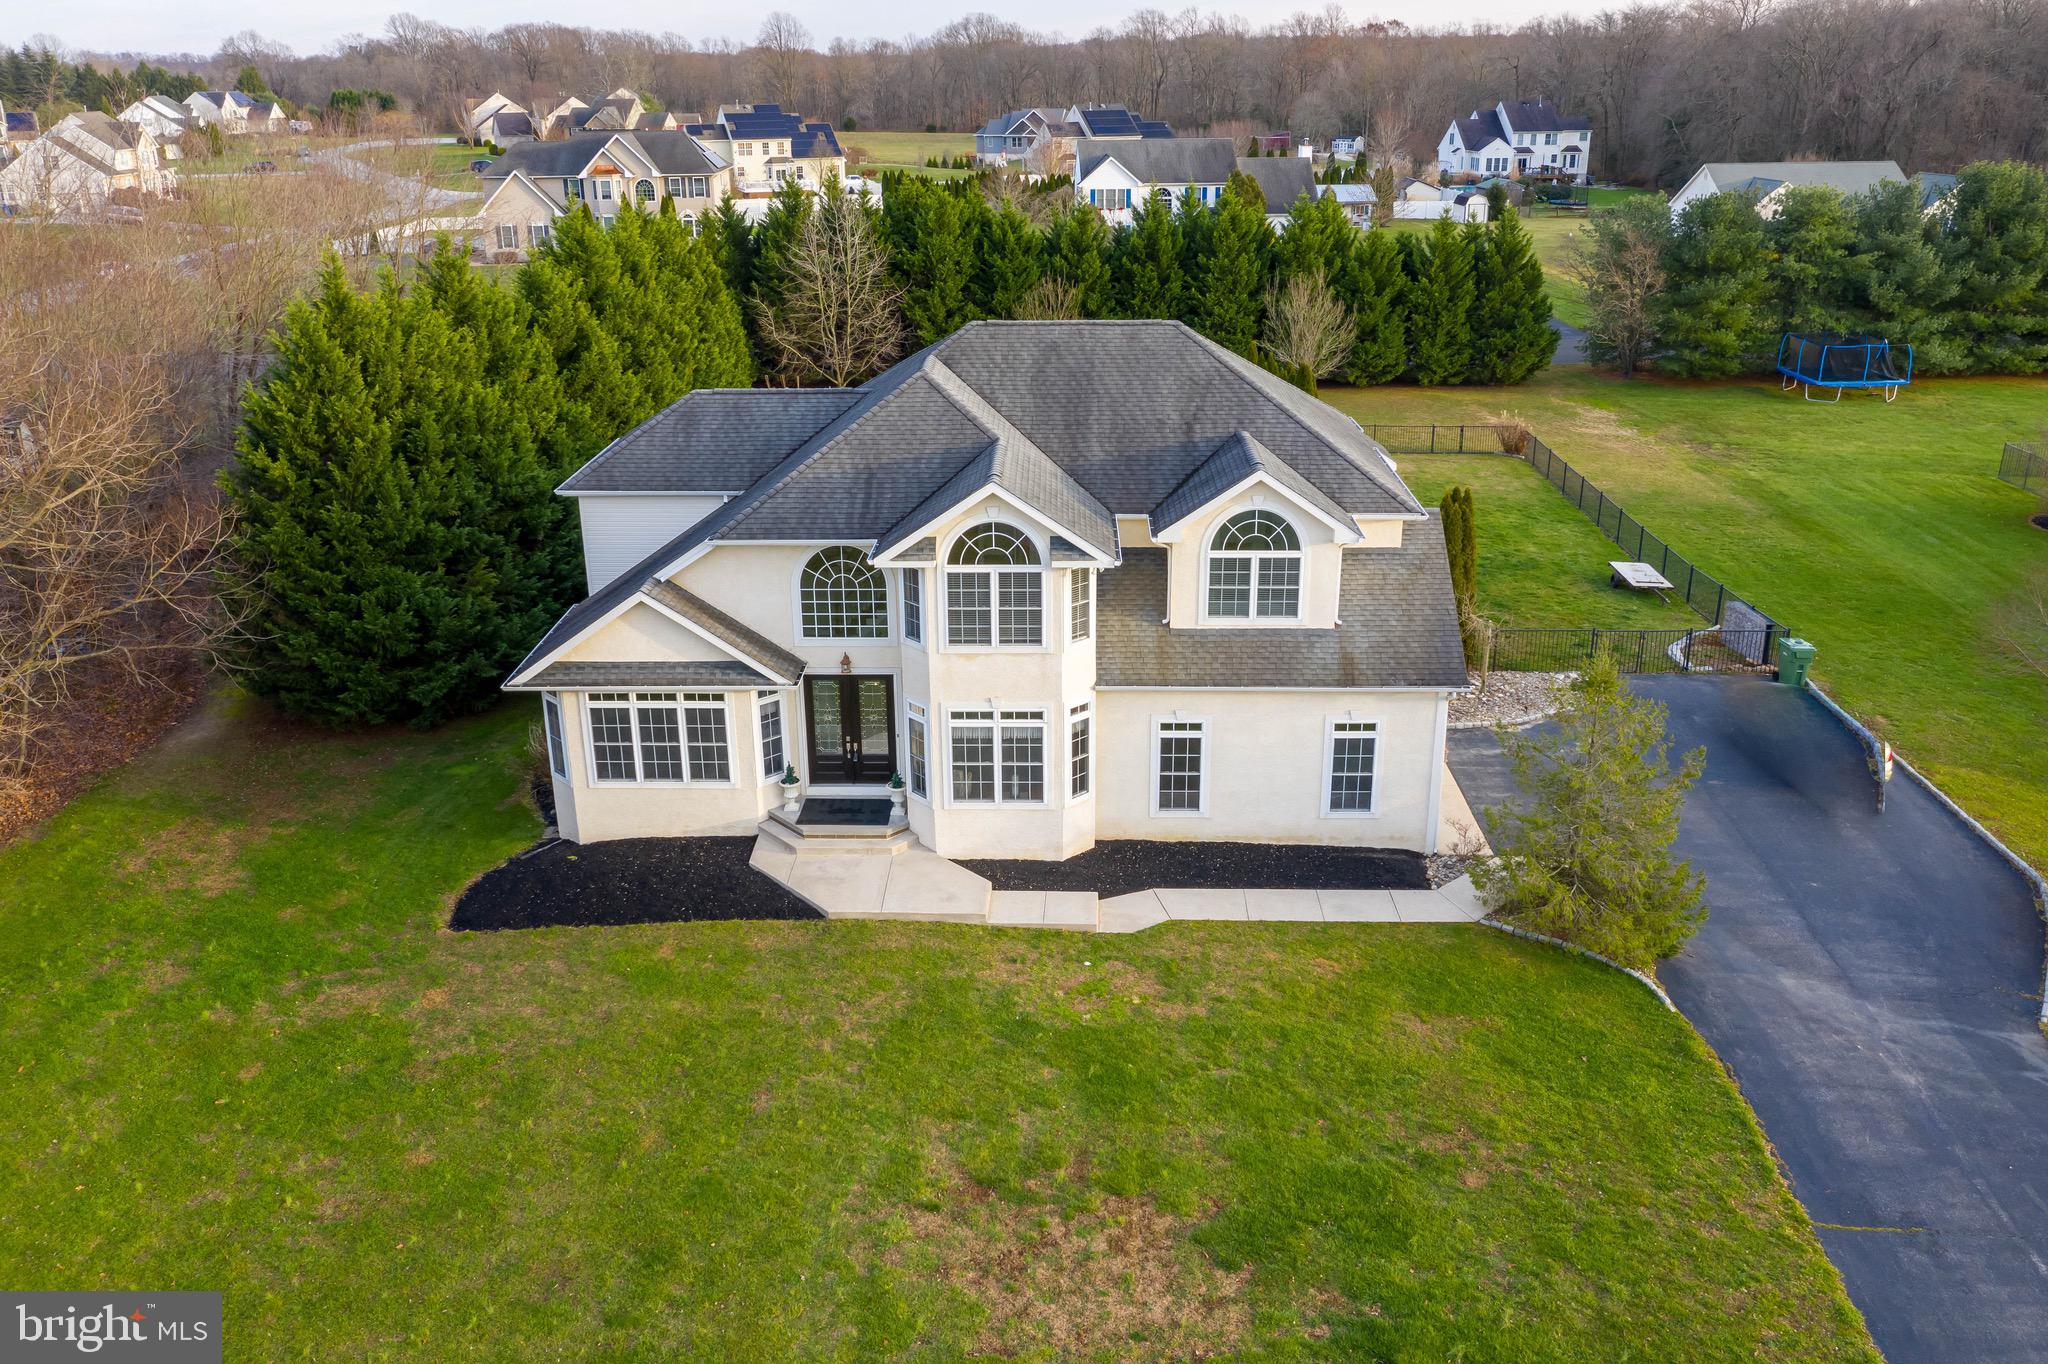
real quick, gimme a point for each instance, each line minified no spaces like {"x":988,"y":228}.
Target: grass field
{"x":249,"y":1057}
{"x":1540,"y":562}
{"x":904,"y":151}
{"x":1877,"y":531}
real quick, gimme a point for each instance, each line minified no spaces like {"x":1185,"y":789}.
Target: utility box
{"x":1795,"y":660}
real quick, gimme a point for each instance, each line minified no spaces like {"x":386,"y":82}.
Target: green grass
{"x":247,"y":1056}
{"x":879,"y":151}
{"x":1877,"y":531}
{"x":1540,"y":562}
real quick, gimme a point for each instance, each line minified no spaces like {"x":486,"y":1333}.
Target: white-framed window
{"x":1350,"y":751}
{"x":675,"y":187}
{"x":913,"y":605}
{"x":1110,"y":198}
{"x":1080,"y":603}
{"x":1080,"y":751}
{"x":840,"y":595}
{"x":1180,"y":757}
{"x":995,"y":590}
{"x":558,"y":746}
{"x":918,"y":778}
{"x":774,"y":751}
{"x":746,"y":149}
{"x":644,"y":191}
{"x":690,"y":223}
{"x":998,"y":757}
{"x":604,"y":190}
{"x":1550,"y":139}
{"x":1254,"y":569}
{"x":572,"y":189}
{"x":508,"y":237}
{"x":538,"y":233}
{"x":657,"y":737}
{"x":699,"y":187}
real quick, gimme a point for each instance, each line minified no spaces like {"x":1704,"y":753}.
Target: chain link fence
{"x":2024,"y":467}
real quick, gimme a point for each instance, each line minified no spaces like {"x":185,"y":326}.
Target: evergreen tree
{"x":1899,"y":287}
{"x":1810,"y":241}
{"x":1440,"y":305}
{"x":730,"y":239}
{"x":1149,"y":279}
{"x":1714,"y":314}
{"x":1318,"y":239}
{"x":396,"y":544}
{"x":1461,"y":543}
{"x":926,"y":225}
{"x":1077,"y":252}
{"x":1197,"y":226}
{"x":773,"y":239}
{"x":1374,"y":286}
{"x":1230,"y":289}
{"x":1510,"y":318}
{"x":1006,"y":264}
{"x":1997,"y":256}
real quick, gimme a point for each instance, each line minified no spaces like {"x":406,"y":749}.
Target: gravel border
{"x":1124,"y":865}
{"x":626,"y":881}
{"x":1511,"y":698}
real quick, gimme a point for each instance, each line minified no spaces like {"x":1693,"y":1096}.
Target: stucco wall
{"x":1264,"y":768}
{"x":593,"y":813}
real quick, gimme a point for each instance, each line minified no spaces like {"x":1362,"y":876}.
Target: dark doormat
{"x":629,"y":881}
{"x":1121,"y":866}
{"x":844,"y":810}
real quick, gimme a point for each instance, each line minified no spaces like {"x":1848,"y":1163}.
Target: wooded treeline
{"x":1930,"y":83}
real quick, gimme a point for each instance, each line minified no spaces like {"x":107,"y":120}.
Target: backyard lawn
{"x":249,"y":1057}
{"x":882,"y":151}
{"x":1876,"y":531}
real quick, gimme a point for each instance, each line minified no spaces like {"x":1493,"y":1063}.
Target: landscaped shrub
{"x":1589,"y":860}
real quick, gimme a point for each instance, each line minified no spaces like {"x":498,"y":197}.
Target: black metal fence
{"x":2024,"y":467}
{"x":1710,"y":649}
{"x":1740,"y":638}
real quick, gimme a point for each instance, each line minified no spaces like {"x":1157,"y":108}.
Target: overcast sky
{"x":199,"y":25}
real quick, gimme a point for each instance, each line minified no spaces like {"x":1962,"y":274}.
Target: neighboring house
{"x":83,"y":162}
{"x":163,"y":116}
{"x":768,"y":147}
{"x":1347,"y":148}
{"x":1115,"y":175}
{"x":1355,"y":200}
{"x":496,"y":118}
{"x":1767,"y":180}
{"x":559,"y":120}
{"x":266,"y":116}
{"x":229,"y":108}
{"x":1073,"y":580}
{"x":535,"y":183}
{"x":1518,"y":138}
{"x":1042,"y":139}
{"x":1935,"y":189}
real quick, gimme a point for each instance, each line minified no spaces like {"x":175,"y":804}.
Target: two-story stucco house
{"x":768,"y":147}
{"x":1518,"y":138}
{"x":1073,"y":580}
{"x":1116,"y":175}
{"x":534,"y":183}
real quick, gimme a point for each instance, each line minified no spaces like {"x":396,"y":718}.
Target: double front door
{"x":852,"y":724}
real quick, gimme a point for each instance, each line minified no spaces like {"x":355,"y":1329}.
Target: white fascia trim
{"x":890,"y":560}
{"x":618,"y":139}
{"x":525,"y":674}
{"x":1346,"y":532}
{"x":1347,"y":691}
{"x":644,"y":492}
{"x":533,"y":185}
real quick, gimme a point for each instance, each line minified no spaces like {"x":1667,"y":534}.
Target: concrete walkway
{"x":1873,"y":981}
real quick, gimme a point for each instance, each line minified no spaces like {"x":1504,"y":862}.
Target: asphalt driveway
{"x":1873,"y":981}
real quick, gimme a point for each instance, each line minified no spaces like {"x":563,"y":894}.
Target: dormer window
{"x":995,"y":590}
{"x":1255,"y":569}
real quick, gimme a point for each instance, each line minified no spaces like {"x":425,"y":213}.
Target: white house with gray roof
{"x":1072,"y":580}
{"x":534,"y":184}
{"x":1766,"y":181}
{"x":1116,"y":175}
{"x":1518,"y":138}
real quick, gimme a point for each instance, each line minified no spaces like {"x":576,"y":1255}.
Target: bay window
{"x":657,"y":737}
{"x":998,"y":757}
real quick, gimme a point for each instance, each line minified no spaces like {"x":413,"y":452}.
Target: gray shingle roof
{"x":1399,"y":628}
{"x":1541,"y":116}
{"x":1850,"y":177}
{"x":1238,"y":458}
{"x":715,"y":440}
{"x":1120,"y":412}
{"x":735,"y":635}
{"x":604,"y":676}
{"x":1282,"y":179}
{"x":669,"y":153}
{"x":1160,"y":160}
{"x":1481,"y":130}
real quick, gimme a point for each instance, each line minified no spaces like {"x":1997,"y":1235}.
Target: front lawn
{"x":1878,"y":531}
{"x":247,"y":1055}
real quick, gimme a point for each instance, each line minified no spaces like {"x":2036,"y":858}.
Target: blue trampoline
{"x":1839,"y":362}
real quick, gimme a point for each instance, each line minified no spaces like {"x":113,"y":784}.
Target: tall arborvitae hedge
{"x":1439,"y":307}
{"x":397,"y":544}
{"x":1510,"y":314}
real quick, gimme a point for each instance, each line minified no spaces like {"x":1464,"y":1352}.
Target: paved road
{"x":1571,"y":344}
{"x":1873,"y":981}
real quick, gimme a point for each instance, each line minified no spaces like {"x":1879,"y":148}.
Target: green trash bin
{"x":1795,"y":660}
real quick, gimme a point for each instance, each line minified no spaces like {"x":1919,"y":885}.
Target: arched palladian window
{"x":995,"y":589}
{"x":1255,"y":569}
{"x":644,"y":191}
{"x":843,"y":596}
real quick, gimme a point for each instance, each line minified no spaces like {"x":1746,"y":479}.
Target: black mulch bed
{"x":630,"y":881}
{"x":1120,"y":866}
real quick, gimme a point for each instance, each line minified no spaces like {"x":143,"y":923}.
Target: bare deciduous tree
{"x":1052,"y":299}
{"x":1307,"y":325}
{"x":1618,"y":260}
{"x":782,"y":49}
{"x":839,"y":320}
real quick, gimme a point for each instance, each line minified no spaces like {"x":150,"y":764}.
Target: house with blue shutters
{"x":1117,"y":175}
{"x":1069,"y":581}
